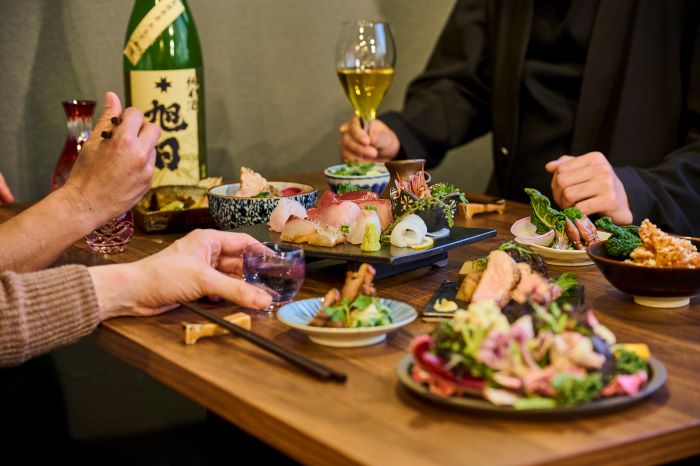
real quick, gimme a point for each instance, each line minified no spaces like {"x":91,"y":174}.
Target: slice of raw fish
{"x":301,"y":230}
{"x":383,"y":207}
{"x":357,"y":196}
{"x":499,"y":278}
{"x":408,"y":231}
{"x":357,"y":229}
{"x":337,"y":215}
{"x":326,"y":199}
{"x":252,"y":183}
{"x":285,"y":209}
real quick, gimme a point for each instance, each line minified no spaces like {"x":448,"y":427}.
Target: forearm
{"x":35,"y":238}
{"x":44,"y":310}
{"x":668,"y":194}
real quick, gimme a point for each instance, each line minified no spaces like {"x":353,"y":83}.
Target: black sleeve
{"x":669,"y":193}
{"x":449,"y":103}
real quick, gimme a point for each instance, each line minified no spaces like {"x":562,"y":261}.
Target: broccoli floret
{"x":622,"y":241}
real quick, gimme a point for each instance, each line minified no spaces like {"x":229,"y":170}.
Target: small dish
{"x":566,"y":257}
{"x":193,"y":213}
{"x":664,"y":287}
{"x":299,"y":313}
{"x":231,"y":212}
{"x":375,"y":183}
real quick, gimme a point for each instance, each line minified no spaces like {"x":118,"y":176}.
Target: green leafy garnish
{"x":573,"y":390}
{"x":262,"y":194}
{"x":627,"y":362}
{"x":345,"y":229}
{"x":566,"y":281}
{"x":370,"y":207}
{"x":347,"y":188}
{"x":354,"y":169}
{"x":542,"y":215}
{"x":338,"y":312}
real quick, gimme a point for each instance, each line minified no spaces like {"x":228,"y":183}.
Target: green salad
{"x":363,"y":311}
{"x":358,"y":169}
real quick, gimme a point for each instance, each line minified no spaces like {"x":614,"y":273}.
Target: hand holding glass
{"x":277,"y":268}
{"x":365,"y":60}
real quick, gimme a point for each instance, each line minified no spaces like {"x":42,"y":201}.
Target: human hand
{"x":203,"y":263}
{"x":589,"y":182}
{"x":381,"y":145}
{"x":111,"y":175}
{"x":6,"y":196}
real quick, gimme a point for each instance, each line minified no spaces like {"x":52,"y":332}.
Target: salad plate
{"x":657,"y":378}
{"x":565,"y":257}
{"x":298,"y":314}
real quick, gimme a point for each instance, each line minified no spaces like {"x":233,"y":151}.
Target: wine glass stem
{"x":365,"y":124}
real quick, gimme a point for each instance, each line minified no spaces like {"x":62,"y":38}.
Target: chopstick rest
{"x":474,"y":208}
{"x":193,"y":331}
{"x":310,"y":366}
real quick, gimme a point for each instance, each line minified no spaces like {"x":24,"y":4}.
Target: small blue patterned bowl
{"x":375,"y":183}
{"x":233,"y":212}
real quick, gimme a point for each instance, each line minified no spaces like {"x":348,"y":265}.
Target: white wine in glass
{"x":365,"y":60}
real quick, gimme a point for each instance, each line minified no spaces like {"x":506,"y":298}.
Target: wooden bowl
{"x":650,"y":286}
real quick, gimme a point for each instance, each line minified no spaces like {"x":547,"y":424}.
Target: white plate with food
{"x":566,"y":257}
{"x":351,"y":317}
{"x":560,"y":237}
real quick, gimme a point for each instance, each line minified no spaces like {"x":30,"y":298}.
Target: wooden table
{"x":371,"y":419}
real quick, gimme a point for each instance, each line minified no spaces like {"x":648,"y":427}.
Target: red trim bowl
{"x":650,"y":286}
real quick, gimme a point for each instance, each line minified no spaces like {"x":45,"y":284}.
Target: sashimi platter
{"x":357,"y":225}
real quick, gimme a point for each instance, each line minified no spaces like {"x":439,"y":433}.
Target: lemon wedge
{"x":425,"y":244}
{"x":640,"y":349}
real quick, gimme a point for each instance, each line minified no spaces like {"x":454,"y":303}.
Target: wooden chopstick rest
{"x":473,"y":208}
{"x":193,"y":331}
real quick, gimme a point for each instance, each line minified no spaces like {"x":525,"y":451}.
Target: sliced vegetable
{"x":370,"y":240}
{"x":526,"y":232}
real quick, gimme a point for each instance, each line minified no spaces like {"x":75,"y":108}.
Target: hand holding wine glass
{"x":365,"y":60}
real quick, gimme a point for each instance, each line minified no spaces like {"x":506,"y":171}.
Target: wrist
{"x":117,"y":289}
{"x":70,"y":201}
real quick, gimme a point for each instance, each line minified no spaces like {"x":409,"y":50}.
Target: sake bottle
{"x":163,"y":77}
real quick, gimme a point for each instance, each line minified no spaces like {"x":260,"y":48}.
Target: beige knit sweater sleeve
{"x":43,"y":310}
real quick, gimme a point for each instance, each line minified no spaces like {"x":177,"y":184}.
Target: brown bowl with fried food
{"x":650,"y":286}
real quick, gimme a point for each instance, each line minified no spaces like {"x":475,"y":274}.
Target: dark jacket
{"x":639,"y":101}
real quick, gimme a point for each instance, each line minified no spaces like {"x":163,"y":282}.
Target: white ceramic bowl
{"x":299,"y":313}
{"x":374,"y":183}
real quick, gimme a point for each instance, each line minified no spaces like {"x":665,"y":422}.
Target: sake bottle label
{"x":150,"y":27}
{"x":170,"y":99}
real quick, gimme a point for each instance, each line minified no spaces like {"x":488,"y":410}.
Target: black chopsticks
{"x":318,"y":370}
{"x":108,"y":134}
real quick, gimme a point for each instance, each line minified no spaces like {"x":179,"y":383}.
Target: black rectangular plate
{"x":448,"y":290}
{"x":459,"y":236}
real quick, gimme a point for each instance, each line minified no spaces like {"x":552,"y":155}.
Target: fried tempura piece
{"x":321,"y":319}
{"x":359,"y":282}
{"x":660,"y":249}
{"x":468,"y":286}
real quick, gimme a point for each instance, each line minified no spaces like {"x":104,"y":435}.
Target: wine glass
{"x":365,"y":59}
{"x":277,"y":268}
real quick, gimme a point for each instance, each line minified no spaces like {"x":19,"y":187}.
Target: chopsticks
{"x":312,"y":367}
{"x":108,"y":134}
